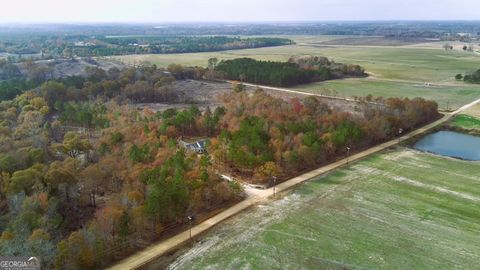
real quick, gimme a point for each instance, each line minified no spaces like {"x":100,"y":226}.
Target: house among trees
{"x":198,"y":146}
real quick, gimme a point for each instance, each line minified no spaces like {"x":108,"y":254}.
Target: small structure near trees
{"x":197,"y":146}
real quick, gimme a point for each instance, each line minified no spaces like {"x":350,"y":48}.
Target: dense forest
{"x":83,"y":178}
{"x":89,"y":46}
{"x":299,"y":70}
{"x":144,"y":84}
{"x":264,"y":136}
{"x":86,"y":177}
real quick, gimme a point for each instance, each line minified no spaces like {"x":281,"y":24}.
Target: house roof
{"x":200,"y":144}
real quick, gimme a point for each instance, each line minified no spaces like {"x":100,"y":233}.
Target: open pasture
{"x":447,"y":96}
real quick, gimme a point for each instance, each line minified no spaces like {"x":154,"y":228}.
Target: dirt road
{"x":156,"y":250}
{"x":294,"y":91}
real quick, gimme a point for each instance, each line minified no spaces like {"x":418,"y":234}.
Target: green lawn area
{"x":451,"y":97}
{"x":466,"y":121}
{"x":402,"y":209}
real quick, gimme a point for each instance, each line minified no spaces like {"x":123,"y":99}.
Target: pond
{"x":451,"y":144}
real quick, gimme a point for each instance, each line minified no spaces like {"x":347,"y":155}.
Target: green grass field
{"x":406,"y":63}
{"x":466,"y":121}
{"x":400,"y":70}
{"x":402,"y":209}
{"x":450,"y":97}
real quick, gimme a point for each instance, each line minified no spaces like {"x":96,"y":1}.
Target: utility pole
{"x":274,"y":184}
{"x":348,"y":154}
{"x":190,"y":218}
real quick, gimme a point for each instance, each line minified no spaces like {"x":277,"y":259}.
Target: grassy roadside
{"x":466,"y":122}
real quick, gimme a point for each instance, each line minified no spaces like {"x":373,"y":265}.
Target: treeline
{"x":14,"y":82}
{"x":54,"y":46}
{"x":264,"y":136}
{"x":16,"y":78}
{"x":143,"y":84}
{"x":9,"y":70}
{"x":9,"y":89}
{"x":470,"y":78}
{"x":295,"y":71}
{"x":176,"y":44}
{"x":383,"y":28}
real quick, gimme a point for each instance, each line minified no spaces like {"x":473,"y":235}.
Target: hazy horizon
{"x":247,"y":11}
{"x":160,"y":23}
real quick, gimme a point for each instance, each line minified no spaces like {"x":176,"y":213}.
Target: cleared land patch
{"x":204,"y":93}
{"x":358,"y":217}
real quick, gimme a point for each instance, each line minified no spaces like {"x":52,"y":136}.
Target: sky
{"x":51,"y":11}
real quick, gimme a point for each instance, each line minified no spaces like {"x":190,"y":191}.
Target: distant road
{"x":405,"y":46}
{"x":304,"y":93}
{"x":427,"y":83}
{"x":151,"y":253}
{"x":294,"y":91}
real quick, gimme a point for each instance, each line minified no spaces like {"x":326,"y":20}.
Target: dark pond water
{"x":451,"y":144}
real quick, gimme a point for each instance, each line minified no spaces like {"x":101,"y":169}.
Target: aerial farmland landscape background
{"x":239,"y":135}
